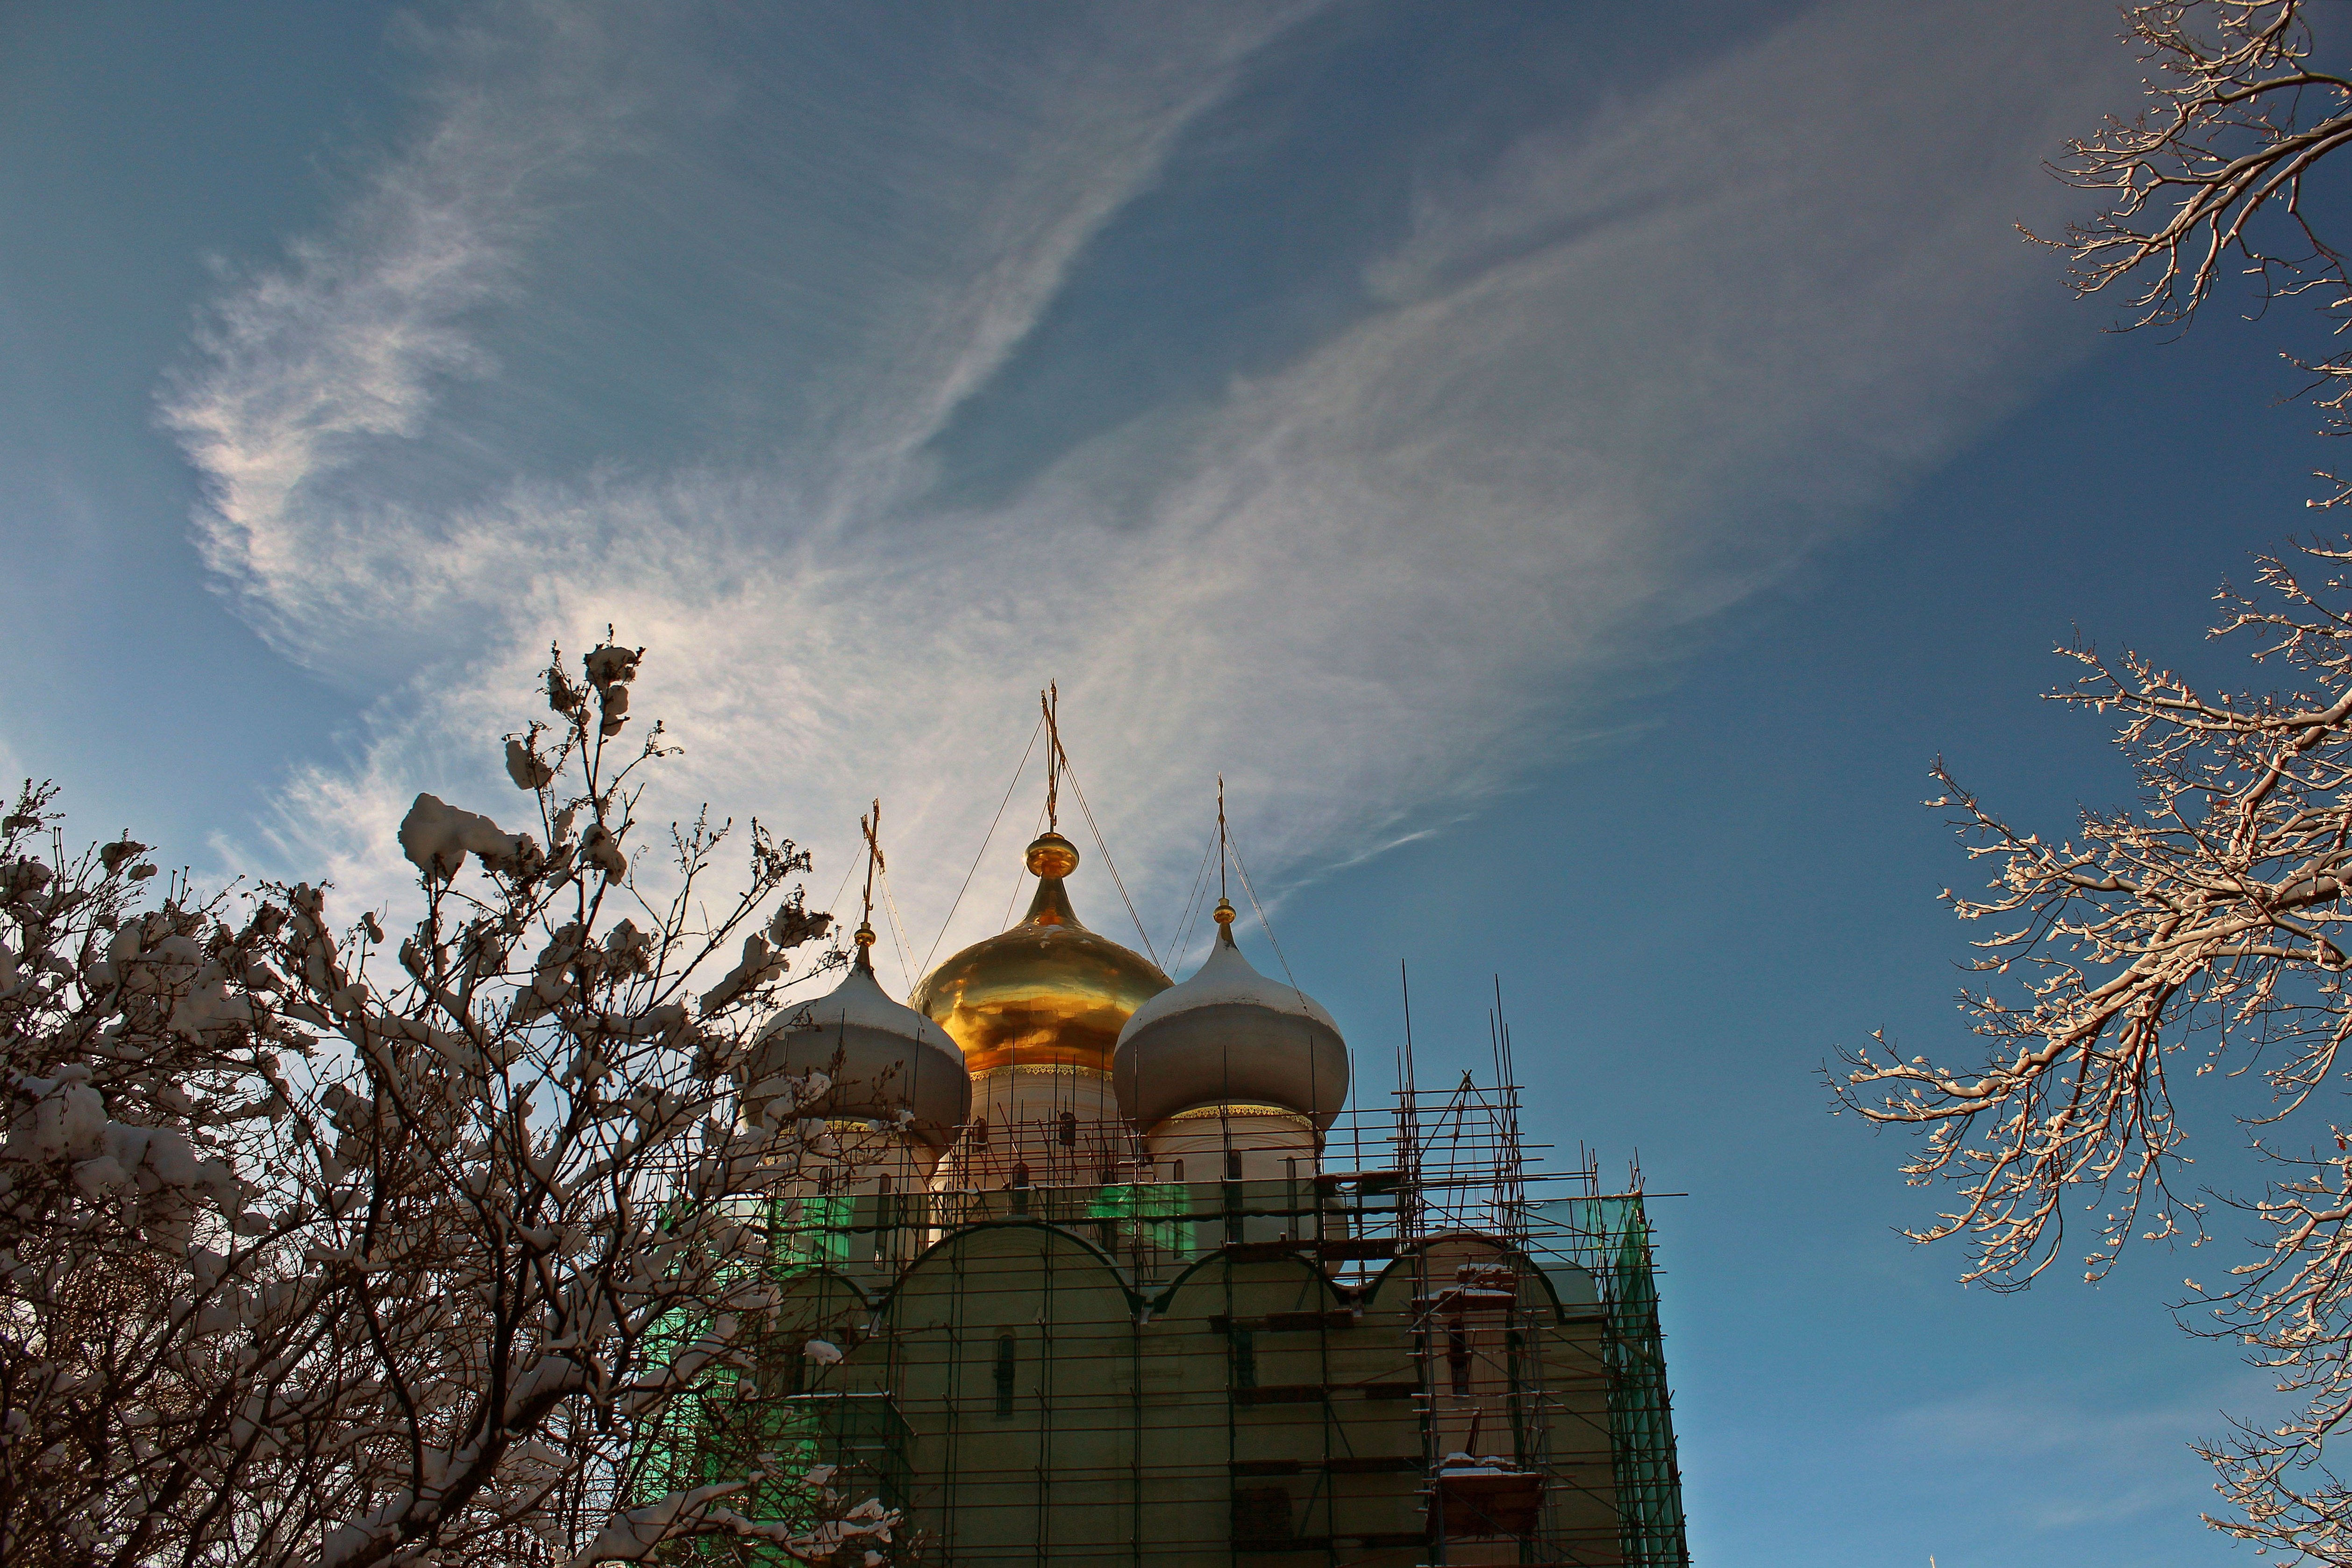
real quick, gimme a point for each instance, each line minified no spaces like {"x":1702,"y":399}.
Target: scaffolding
{"x":1412,"y":1351}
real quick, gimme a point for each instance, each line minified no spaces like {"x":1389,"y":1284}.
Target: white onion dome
{"x":883,"y":1058}
{"x":1230,"y":1037}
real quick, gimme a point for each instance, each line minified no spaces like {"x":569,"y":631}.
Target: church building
{"x":1102,"y":1268}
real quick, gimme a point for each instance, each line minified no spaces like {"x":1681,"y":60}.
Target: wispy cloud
{"x":1603,"y":384}
{"x":303,"y":364}
{"x":2081,"y":1457}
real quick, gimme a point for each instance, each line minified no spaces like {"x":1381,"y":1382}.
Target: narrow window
{"x":1244,"y":1358}
{"x":1232,"y":1165}
{"x":1515,"y":1345}
{"x":1005,"y":1350}
{"x":886,"y":1218}
{"x":980,"y":1133}
{"x":1176,"y":1171}
{"x":1067,"y":1128}
{"x":1457,"y":1360}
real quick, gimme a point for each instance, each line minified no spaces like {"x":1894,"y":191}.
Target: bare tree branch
{"x":2211,"y":925}
{"x":2210,"y":180}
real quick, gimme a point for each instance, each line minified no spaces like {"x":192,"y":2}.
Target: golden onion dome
{"x":1046,"y":994}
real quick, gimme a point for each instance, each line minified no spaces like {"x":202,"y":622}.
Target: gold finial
{"x":1051,"y":854}
{"x":1051,"y":857}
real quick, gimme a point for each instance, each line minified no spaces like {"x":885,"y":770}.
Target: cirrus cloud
{"x":1596,"y":384}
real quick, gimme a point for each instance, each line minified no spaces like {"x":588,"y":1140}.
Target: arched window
{"x":1006,"y":1350}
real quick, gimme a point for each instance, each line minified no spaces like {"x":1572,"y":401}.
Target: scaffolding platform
{"x":1431,"y":1358}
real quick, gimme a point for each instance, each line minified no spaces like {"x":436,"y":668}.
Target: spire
{"x":1047,"y":993}
{"x":1229,"y":1041}
{"x":1050,"y":701}
{"x":1050,"y":857}
{"x":871,"y":828}
{"x":1225,"y":915}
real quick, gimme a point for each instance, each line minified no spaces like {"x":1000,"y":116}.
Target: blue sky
{"x":1570,"y":468}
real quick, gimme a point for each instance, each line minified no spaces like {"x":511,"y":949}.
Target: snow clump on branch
{"x":437,"y":837}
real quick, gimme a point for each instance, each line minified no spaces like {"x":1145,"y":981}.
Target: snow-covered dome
{"x":1230,"y":1037}
{"x":883,"y":1058}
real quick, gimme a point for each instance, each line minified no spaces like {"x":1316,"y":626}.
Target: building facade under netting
{"x":1114,"y":1277}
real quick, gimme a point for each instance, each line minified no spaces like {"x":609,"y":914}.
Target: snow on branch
{"x":2216,"y":178}
{"x":2200,"y":939}
{"x":324,"y":1245}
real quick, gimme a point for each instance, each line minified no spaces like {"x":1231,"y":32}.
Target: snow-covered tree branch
{"x":2207,"y":926}
{"x":2215,"y":177}
{"x":330,"y":1246}
{"x":2208,"y":929}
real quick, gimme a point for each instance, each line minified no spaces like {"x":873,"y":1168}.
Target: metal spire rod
{"x":871,"y":826}
{"x":1224,"y":854}
{"x":1050,"y":699}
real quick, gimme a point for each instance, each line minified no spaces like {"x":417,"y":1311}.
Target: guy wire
{"x":898,"y":939}
{"x":837,"y":895}
{"x":1193,"y":902}
{"x":1017,"y":771}
{"x":1117,"y":880}
{"x":1243,"y":867}
{"x":1021,"y":874}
